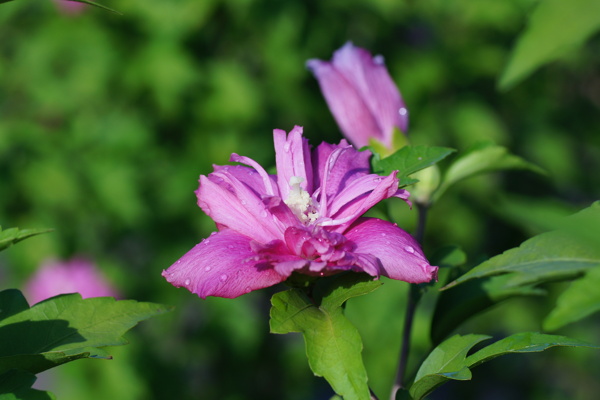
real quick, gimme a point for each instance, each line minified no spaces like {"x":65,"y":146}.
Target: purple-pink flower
{"x":75,"y":276}
{"x":307,"y":218}
{"x":361,"y":95}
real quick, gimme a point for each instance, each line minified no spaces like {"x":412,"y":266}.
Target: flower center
{"x":300,"y":202}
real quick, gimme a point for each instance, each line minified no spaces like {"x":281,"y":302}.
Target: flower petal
{"x":233,"y":204}
{"x":400,"y":255}
{"x":292,"y":156}
{"x":346,"y":103}
{"x":222,"y":265}
{"x":377,"y":89}
{"x":348,"y":165}
{"x":359,"y":197}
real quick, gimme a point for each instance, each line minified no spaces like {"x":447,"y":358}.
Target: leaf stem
{"x":414,"y":295}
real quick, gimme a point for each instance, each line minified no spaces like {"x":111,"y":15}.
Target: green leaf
{"x":446,"y":361}
{"x":64,"y":328}
{"x":578,"y":301}
{"x":524,"y":342}
{"x":333,"y":345}
{"x":11,"y":236}
{"x":449,"y":360}
{"x":550,"y":256}
{"x":483,"y":158}
{"x":16,"y":385}
{"x":555,"y":27}
{"x":456,"y":305}
{"x":409,"y":160}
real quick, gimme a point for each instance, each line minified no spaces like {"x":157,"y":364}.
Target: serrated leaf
{"x":409,"y":160}
{"x":333,"y":345}
{"x":555,"y":27}
{"x":578,"y":301}
{"x":457,"y":305}
{"x":449,"y":359}
{"x":16,"y":385}
{"x":524,"y":342}
{"x":11,"y":236}
{"x":446,"y":361}
{"x":484,"y":158}
{"x":551,"y":256}
{"x":65,"y":328}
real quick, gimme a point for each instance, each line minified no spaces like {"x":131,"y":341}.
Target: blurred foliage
{"x":106,"y":121}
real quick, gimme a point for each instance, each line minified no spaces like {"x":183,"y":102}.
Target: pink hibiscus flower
{"x":307,"y":219}
{"x":75,"y":276}
{"x":361,"y":95}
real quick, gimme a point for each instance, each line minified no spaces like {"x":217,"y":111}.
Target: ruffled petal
{"x":400,"y":255}
{"x":222,"y":265}
{"x":346,"y":103}
{"x":359,"y":197}
{"x":231,"y":203}
{"x":248,"y":176}
{"x":348,"y":165}
{"x":292,"y":156}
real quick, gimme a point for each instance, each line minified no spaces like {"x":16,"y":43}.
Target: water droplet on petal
{"x":223,"y":278}
{"x":263,"y":214}
{"x":206,"y":241}
{"x":383,"y":234}
{"x":187,"y":282}
{"x":286,"y":147}
{"x":248,"y":289}
{"x":213,"y":233}
{"x":230,"y":246}
{"x":403,"y":111}
{"x":409,"y":249}
{"x":207,"y":269}
{"x":379,"y":60}
{"x":243,"y":202}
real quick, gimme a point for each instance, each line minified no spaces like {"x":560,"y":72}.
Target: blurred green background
{"x":106,"y":122}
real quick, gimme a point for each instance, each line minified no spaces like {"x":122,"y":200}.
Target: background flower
{"x":361,"y":95}
{"x":77,"y":275}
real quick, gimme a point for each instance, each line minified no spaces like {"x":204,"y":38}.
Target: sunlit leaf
{"x":446,"y":361}
{"x":333,"y":345}
{"x":524,"y":342}
{"x":449,"y":360}
{"x":551,"y":256}
{"x":409,"y":160}
{"x":555,"y":27}
{"x":64,"y":328}
{"x":483,"y":158}
{"x":11,"y":236}
{"x":578,"y":301}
